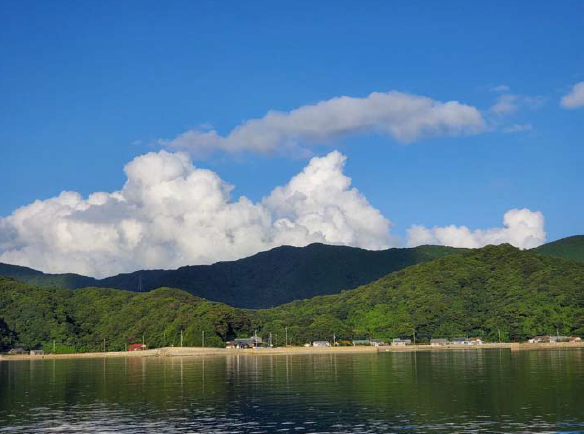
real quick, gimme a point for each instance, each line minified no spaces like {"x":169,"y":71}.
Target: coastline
{"x":202,"y":352}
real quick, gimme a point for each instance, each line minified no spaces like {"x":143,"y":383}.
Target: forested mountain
{"x":480,"y":292}
{"x":263,"y":280}
{"x":567,"y":248}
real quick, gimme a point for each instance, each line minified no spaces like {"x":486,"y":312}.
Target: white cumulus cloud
{"x":403,"y":116}
{"x":521,"y":227}
{"x":575,"y":98}
{"x":170,"y":213}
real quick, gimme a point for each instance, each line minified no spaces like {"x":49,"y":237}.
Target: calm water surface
{"x":462,"y":391}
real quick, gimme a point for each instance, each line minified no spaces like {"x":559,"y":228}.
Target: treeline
{"x":94,"y":318}
{"x":494,"y":292}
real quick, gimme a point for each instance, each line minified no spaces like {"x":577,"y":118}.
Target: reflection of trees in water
{"x":417,"y":386}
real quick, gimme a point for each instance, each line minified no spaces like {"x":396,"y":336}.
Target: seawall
{"x":201,"y":352}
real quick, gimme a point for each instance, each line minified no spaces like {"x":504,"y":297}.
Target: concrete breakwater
{"x":201,"y":352}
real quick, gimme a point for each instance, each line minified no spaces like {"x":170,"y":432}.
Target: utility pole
{"x":54,"y":345}
{"x":181,"y":337}
{"x":334,"y":339}
{"x":414,"y":336}
{"x":499,"y":330}
{"x":203,"y":340}
{"x":143,"y":341}
{"x":104,"y":345}
{"x":286,"y":336}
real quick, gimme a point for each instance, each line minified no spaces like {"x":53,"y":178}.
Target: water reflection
{"x":462,"y":391}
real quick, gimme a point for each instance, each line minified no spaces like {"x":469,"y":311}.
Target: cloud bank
{"x":170,"y":214}
{"x":521,"y":227}
{"x":402,"y":116}
{"x":575,"y":98}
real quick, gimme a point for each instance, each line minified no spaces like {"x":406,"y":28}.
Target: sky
{"x":159,"y":134}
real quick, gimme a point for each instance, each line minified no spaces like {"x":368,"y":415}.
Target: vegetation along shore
{"x":496,"y":293}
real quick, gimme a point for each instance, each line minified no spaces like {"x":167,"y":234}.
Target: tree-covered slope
{"x":35,"y":317}
{"x":482,"y":292}
{"x":568,"y":248}
{"x":264,"y":280}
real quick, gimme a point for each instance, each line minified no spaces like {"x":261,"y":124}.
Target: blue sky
{"x":87,"y":86}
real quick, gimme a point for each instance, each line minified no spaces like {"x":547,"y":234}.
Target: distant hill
{"x":279,"y":275}
{"x":489,"y":292}
{"x":568,"y":248}
{"x":263,"y":280}
{"x":34,"y":277}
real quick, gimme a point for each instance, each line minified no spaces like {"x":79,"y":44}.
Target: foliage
{"x":496,"y":290}
{"x":264,"y":280}
{"x":484,"y":292}
{"x":567,"y":248}
{"x":86,"y":319}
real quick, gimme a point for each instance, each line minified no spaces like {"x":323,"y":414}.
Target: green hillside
{"x":263,"y":280}
{"x":480,"y":293}
{"x":568,"y":248}
{"x":81,"y":320}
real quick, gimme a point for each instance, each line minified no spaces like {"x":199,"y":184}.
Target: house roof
{"x":252,"y":340}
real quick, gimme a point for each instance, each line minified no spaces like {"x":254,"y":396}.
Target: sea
{"x":479,"y":391}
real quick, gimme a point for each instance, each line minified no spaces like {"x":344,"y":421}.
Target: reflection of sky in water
{"x":478,"y":391}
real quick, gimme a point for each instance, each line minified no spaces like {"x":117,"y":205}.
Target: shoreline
{"x":202,"y":352}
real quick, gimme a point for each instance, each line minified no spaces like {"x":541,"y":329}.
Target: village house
{"x":137,"y":347}
{"x":321,"y":344}
{"x":540,"y":340}
{"x":377,"y":342}
{"x":253,"y":342}
{"x":398,"y":342}
{"x":17,"y":350}
{"x":575,"y":339}
{"x":460,"y":341}
{"x":361,"y":342}
{"x":37,"y":352}
{"x":438,"y":342}
{"x":476,"y":341}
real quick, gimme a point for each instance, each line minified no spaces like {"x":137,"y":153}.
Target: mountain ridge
{"x":496,"y":292}
{"x":266,"y":279}
{"x":279,"y":275}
